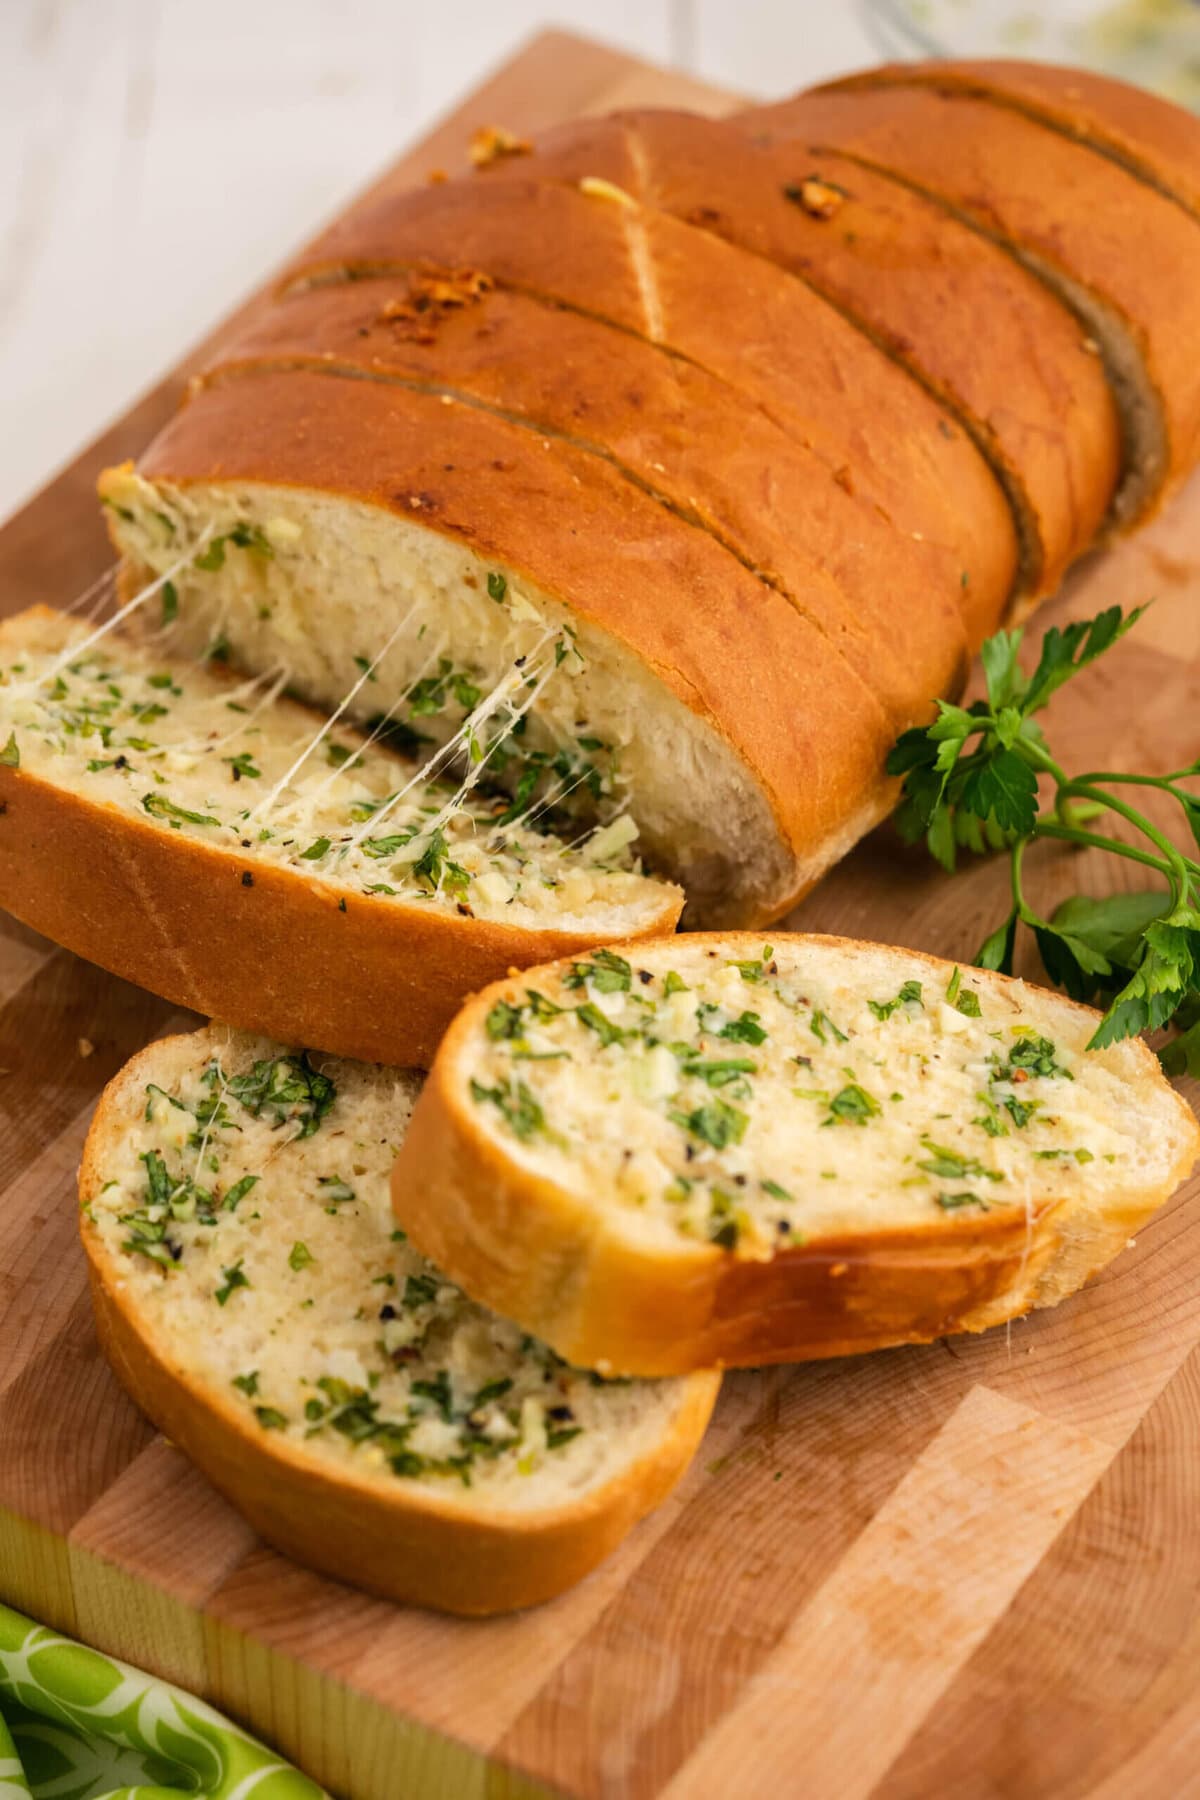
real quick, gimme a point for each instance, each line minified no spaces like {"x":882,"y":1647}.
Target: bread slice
{"x":1123,"y":256}
{"x":1027,"y":390}
{"x":669,"y":428}
{"x":368,"y":1419}
{"x":715,"y":1151}
{"x":1150,"y":137}
{"x":210,"y":840}
{"x":402,"y":526}
{"x":785,"y":350}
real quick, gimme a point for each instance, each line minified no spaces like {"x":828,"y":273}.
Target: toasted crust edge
{"x":413,"y":1547}
{"x":531,"y":1249}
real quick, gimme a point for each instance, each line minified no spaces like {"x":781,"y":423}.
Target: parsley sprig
{"x":971,"y":781}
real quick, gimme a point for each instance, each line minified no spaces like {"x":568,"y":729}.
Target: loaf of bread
{"x":735,"y":439}
{"x":255,"y":1297}
{"x":715,"y":1151}
{"x":247,"y":860}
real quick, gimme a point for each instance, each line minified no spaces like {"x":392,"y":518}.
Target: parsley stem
{"x":1094,"y":840}
{"x":1024,"y":911}
{"x":1158,"y":781}
{"x":1181,"y":867}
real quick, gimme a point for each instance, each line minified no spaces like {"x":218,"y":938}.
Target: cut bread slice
{"x":400,"y":526}
{"x":368,"y":1419}
{"x":1027,"y":390}
{"x":671,"y":429}
{"x":1147,"y":135}
{"x":1123,"y":256}
{"x":782,"y":347}
{"x":713,"y":1151}
{"x":235,"y":856}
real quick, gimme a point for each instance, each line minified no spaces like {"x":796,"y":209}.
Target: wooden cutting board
{"x":972,"y":1568}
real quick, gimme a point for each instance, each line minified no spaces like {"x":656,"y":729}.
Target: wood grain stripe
{"x":22,"y":953}
{"x":1100,"y":1650}
{"x":868,"y":1657}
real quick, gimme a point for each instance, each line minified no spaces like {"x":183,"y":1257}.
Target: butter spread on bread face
{"x":235,"y":1209}
{"x":780,"y":1149}
{"x":259,"y":863}
{"x":197,"y":752}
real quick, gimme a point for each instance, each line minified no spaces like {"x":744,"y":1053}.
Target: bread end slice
{"x":369,"y":1482}
{"x":719,"y":1152}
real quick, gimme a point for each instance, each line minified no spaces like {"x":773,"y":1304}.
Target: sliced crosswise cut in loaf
{"x":218,"y":843}
{"x":1151,"y":137}
{"x":1026,"y":388}
{"x":786,"y":350}
{"x":720,"y":1151}
{"x":887,"y":601}
{"x":254,"y":1295}
{"x":402,"y":527}
{"x":1125,"y":257}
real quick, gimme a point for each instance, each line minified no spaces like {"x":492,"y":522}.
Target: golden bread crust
{"x":1034,"y":399}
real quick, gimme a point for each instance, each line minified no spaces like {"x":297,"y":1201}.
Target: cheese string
{"x":318,"y":738}
{"x":517,"y":676}
{"x":76,"y":651}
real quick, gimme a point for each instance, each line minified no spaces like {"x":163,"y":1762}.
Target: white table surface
{"x":159,"y":155}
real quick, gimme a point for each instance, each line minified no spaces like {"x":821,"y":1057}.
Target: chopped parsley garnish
{"x":287,"y":1089}
{"x":316,"y":850}
{"x":497,"y":584}
{"x":951,"y":1202}
{"x":505,"y":1021}
{"x":820,"y":1022}
{"x":234,"y":1278}
{"x":300,"y":1256}
{"x":238,"y":1192}
{"x":10,"y":756}
{"x":910,"y":993}
{"x":607,"y":972}
{"x":159,"y":807}
{"x":744,"y":1030}
{"x":589,"y":1014}
{"x":419,"y":1290}
{"x":949,"y":1165}
{"x":270,"y":1418}
{"x":517,"y":1106}
{"x":1031,"y":1055}
{"x":243,"y":766}
{"x":247,"y":1383}
{"x":716,"y":1122}
{"x":852,"y":1106}
{"x":675,"y":984}
{"x":170,"y":603}
{"x":436,"y":868}
{"x":719,"y":1073}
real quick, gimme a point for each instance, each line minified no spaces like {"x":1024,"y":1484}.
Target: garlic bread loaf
{"x":254,"y":1295}
{"x":711,"y":1151}
{"x":1028,"y":390}
{"x":1124,"y":256}
{"x":248,"y":859}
